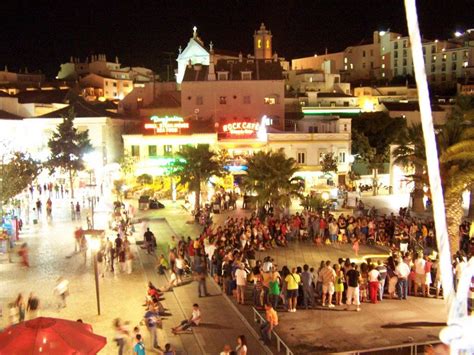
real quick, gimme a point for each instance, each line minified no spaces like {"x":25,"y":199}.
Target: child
{"x":355,"y":246}
{"x":23,"y":253}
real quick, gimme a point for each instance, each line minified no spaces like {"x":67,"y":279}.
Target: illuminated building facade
{"x":160,"y":140}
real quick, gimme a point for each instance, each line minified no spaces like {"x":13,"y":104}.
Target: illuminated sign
{"x":241,"y":128}
{"x":167,"y":124}
{"x":235,"y":168}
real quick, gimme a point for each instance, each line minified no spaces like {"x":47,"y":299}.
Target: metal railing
{"x":279,"y":342}
{"x":412,"y":349}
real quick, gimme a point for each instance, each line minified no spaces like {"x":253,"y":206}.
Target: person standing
{"x":339,"y":284}
{"x":139,"y":347}
{"x":241,"y":348}
{"x":201,"y":271}
{"x":292,"y":281}
{"x":328,"y":276}
{"x":78,"y":210}
{"x":271,"y":321}
{"x":307,"y":280}
{"x":62,"y":291}
{"x":152,"y":320}
{"x":374,"y":285}
{"x":420,"y":277}
{"x":148,"y":236}
{"x":128,"y":259}
{"x":241,"y":281}
{"x":353,"y":280}
{"x":383,"y":276}
{"x":403,"y":271}
{"x":21,"y":307}
{"x":73,"y":211}
{"x":32,"y":306}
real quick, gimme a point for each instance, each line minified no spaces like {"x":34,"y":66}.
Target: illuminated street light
{"x":458,"y":34}
{"x":325,"y":196}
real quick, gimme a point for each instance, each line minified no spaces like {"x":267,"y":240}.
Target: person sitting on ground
{"x":162,"y":265}
{"x":194,"y":320}
{"x":172,"y":282}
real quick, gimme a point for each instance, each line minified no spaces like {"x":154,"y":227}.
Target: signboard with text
{"x":239,"y":129}
{"x":167,"y":124}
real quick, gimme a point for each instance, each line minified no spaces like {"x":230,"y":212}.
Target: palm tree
{"x":411,"y":154}
{"x":194,"y":166}
{"x":271,"y":177}
{"x":456,"y":146}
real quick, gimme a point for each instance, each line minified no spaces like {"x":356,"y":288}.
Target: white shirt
{"x":374,"y":275}
{"x":179,"y":263}
{"x":241,"y":277}
{"x":402,"y":270}
{"x":267,"y":266}
{"x":420,"y":266}
{"x":196,"y":318}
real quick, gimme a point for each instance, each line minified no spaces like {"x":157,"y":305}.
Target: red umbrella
{"x":50,"y":336}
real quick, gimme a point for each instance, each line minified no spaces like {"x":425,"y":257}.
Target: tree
{"x":271,"y":176}
{"x":372,"y":134}
{"x":194,"y":166}
{"x":118,"y":189}
{"x":456,"y":148}
{"x":145,"y":179}
{"x":411,"y":154}
{"x":68,"y":147}
{"x":329,"y":163}
{"x":17,"y":171}
{"x":127,"y":165}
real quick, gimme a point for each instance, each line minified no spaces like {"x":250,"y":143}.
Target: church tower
{"x":262,"y":43}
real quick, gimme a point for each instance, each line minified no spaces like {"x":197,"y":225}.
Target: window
{"x":383,"y":75}
{"x":395,"y":54}
{"x":433,"y":49}
{"x":404,"y":53}
{"x":383,"y":57}
{"x":301,"y":157}
{"x":345,"y":60}
{"x":424,"y":50}
{"x":313,"y":129}
{"x":363,"y":54}
{"x":395,"y":63}
{"x":222,"y":100}
{"x":404,"y":43}
{"x":247,"y":99}
{"x":453,"y":67}
{"x":395,"y":45}
{"x":443,"y":77}
{"x":345,"y":127}
{"x":404,"y":71}
{"x":454,"y":56}
{"x":433,"y":68}
{"x":270,"y":100}
{"x":433,"y":58}
{"x":345,"y":67}
{"x":115,"y":84}
{"x":222,"y":75}
{"x":168,"y":149}
{"x":363,"y":65}
{"x":383,"y":65}
{"x":152,"y":150}
{"x":342,"y":157}
{"x":444,"y":57}
{"x":371,"y":65}
{"x":125,"y":85}
{"x":443,"y":67}
{"x":115,"y":94}
{"x":322,"y":153}
{"x":267,"y":43}
{"x":135,"y":150}
{"x":199,"y":100}
{"x":246,"y":75}
{"x":404,"y":62}
{"x":466,"y":54}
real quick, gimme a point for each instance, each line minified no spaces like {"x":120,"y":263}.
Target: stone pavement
{"x":323,"y":330}
{"x":222,"y":323}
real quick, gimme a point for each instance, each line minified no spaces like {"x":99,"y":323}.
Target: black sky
{"x":43,"y":34}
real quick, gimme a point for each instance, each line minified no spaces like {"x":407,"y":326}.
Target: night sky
{"x":43,"y":34}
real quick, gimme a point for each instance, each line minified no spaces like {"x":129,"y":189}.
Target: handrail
{"x":280,"y":342}
{"x":412,"y":346}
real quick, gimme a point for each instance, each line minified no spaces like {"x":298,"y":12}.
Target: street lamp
{"x":94,"y":244}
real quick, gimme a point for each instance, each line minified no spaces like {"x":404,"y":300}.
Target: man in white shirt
{"x":403,"y":271}
{"x":374,"y":276}
{"x":194,"y":320}
{"x":241,"y":280}
{"x":420,"y":276}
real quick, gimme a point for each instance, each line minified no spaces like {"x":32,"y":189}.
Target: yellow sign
{"x":167,"y":124}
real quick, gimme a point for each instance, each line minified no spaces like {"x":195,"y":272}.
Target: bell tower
{"x":262,"y":43}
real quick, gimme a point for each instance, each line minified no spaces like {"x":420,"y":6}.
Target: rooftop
{"x":82,"y":109}
{"x":408,"y":106}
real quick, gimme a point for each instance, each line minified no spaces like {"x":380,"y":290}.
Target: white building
{"x":156,"y":146}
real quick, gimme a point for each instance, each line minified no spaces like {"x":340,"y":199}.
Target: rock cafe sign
{"x":241,"y":128}
{"x":167,"y":124}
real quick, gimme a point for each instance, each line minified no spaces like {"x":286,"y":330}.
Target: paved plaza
{"x":306,"y":331}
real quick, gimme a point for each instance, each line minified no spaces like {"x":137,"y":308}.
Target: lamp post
{"x":95,"y":245}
